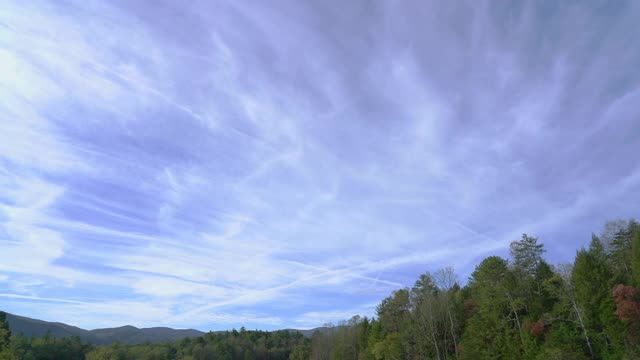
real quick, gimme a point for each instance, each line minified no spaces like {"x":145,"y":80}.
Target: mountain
{"x":132,"y":335}
{"x":38,"y":328}
{"x":323,"y":329}
{"x":125,"y":334}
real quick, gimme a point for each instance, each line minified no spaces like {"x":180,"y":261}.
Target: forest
{"x":517,"y":308}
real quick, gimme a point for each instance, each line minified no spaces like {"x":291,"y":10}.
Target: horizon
{"x":290,"y":164}
{"x":174,"y":328}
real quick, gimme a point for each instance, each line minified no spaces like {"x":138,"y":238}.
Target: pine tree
{"x":570,"y":336}
{"x":591,"y":277}
{"x":5,"y":338}
{"x":5,"y":332}
{"x":526,"y":253}
{"x":489,"y":334}
{"x":620,"y":254}
{"x":635,"y":253}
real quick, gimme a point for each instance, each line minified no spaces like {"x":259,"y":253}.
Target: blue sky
{"x":287,"y":163}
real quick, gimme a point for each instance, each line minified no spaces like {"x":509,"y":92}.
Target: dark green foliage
{"x":526,"y":253}
{"x":5,"y":332}
{"x":523,"y":309}
{"x":489,"y":331}
{"x":348,"y":340}
{"x":591,"y":276}
{"x":278,"y":345}
{"x":5,"y":338}
{"x":635,"y":253}
{"x":621,"y":252}
{"x":125,"y":334}
{"x":48,"y":347}
{"x":393,"y":311}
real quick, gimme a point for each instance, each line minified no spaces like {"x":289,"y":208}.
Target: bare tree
{"x":445,"y":280}
{"x":567,"y":293}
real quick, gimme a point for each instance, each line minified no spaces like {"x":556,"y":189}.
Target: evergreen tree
{"x":526,"y":253}
{"x":489,"y":334}
{"x":592,"y":278}
{"x":621,"y":253}
{"x":5,"y":338}
{"x":5,"y":332}
{"x":569,"y":336}
{"x":394,"y":317}
{"x":526,"y":309}
{"x":635,"y":253}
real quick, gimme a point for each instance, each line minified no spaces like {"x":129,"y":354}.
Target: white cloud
{"x":29,"y":247}
{"x":111,"y":313}
{"x":38,"y":298}
{"x":202,"y":176}
{"x":171,"y":287}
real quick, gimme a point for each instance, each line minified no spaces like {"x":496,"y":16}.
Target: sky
{"x":277,"y":164}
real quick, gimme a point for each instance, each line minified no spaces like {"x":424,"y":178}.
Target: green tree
{"x":5,"y":338}
{"x":489,"y":333}
{"x":526,"y":253}
{"x":427,"y":318}
{"x":394,"y":316}
{"x":635,"y":253}
{"x":569,"y":337}
{"x":621,"y":254}
{"x":592,"y":278}
{"x":5,"y":331}
{"x":446,"y":281}
{"x":300,"y":352}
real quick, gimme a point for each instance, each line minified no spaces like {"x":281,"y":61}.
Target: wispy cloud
{"x":208,"y":173}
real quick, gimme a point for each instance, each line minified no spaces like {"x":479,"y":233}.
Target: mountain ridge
{"x":127,"y":334}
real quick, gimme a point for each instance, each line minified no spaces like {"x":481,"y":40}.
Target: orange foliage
{"x":627,"y":301}
{"x":535,"y":328}
{"x":469,"y":306}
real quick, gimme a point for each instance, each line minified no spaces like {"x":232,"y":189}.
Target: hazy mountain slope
{"x":133,"y":335}
{"x":38,"y":328}
{"x":125,"y":334}
{"x":309,"y":333}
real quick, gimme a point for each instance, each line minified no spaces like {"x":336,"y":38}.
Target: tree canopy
{"x":517,"y":308}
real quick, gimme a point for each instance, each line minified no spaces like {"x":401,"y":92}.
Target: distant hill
{"x":125,"y":334}
{"x":133,"y":335}
{"x":38,"y":328}
{"x":309,"y":333}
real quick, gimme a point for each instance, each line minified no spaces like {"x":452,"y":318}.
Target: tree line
{"x":516,"y":308}
{"x":241,"y":345}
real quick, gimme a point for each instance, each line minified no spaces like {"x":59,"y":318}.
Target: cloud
{"x":28,"y":247}
{"x":208,"y":173}
{"x":169,"y":287}
{"x":37,"y":298}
